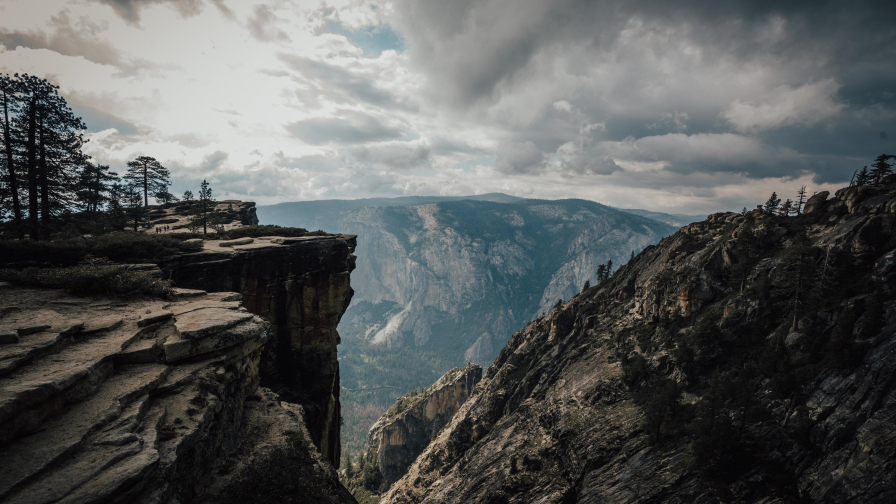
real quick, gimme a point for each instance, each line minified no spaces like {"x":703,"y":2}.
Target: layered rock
{"x":105,"y":401}
{"x":301,"y":287}
{"x":229,"y":214}
{"x":403,"y":432}
{"x":584,"y":404}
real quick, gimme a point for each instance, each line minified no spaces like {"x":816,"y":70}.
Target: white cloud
{"x":785,"y":106}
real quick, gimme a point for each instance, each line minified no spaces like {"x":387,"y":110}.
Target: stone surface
{"x":302,"y":289}
{"x":81,"y":422}
{"x":558,"y":417}
{"x":154,"y":318}
{"x":404,"y":431}
{"x":234,"y":243}
{"x":182,"y":293}
{"x":206,"y":322}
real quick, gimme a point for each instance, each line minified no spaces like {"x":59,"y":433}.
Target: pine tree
{"x":771,"y":206}
{"x":188,"y":196}
{"x":630,"y":259}
{"x":147,"y":173}
{"x":786,"y":209}
{"x":205,"y":205}
{"x":94,"y":184}
{"x":164,"y":196}
{"x":135,"y":211}
{"x":800,"y":200}
{"x":881,"y":168}
{"x":9,"y":94}
{"x":601,"y":269}
{"x":586,"y":286}
{"x":863,"y":178}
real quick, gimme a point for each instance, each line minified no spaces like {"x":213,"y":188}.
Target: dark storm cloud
{"x":698,"y":86}
{"x":98,"y":120}
{"x":352,"y":128}
{"x":351,"y":86}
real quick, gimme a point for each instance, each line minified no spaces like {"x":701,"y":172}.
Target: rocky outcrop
{"x":104,"y":401}
{"x":403,"y":432}
{"x":228,"y":214}
{"x":301,"y":287}
{"x":747,"y":358}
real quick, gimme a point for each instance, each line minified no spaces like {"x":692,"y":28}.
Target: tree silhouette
{"x":881,"y":168}
{"x":863,"y":178}
{"x":9,"y":93}
{"x":147,"y":173}
{"x":205,"y":205}
{"x":800,"y":200}
{"x":94,"y":184}
{"x":771,"y":206}
{"x":188,"y":196}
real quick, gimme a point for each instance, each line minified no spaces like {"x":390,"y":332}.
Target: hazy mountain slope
{"x":329,"y":214}
{"x":441,"y":284}
{"x":676,"y":220}
{"x":747,"y":358}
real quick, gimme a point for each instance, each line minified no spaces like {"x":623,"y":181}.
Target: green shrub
{"x":89,"y":280}
{"x":118,"y":247}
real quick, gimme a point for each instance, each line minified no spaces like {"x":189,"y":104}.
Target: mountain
{"x":329,"y":214}
{"x":746,"y":358}
{"x":441,"y":284}
{"x":677,"y":220}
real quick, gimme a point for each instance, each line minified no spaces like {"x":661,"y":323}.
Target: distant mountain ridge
{"x":439,"y":284}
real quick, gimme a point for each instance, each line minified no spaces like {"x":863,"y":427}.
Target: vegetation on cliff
{"x":746,"y":357}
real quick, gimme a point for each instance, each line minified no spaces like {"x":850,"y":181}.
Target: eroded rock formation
{"x":301,"y":287}
{"x":403,"y":432}
{"x":747,"y":358}
{"x":106,"y":401}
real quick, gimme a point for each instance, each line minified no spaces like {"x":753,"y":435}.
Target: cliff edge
{"x":747,"y":358}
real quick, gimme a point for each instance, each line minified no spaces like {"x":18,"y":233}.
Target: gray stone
{"x":154,"y":318}
{"x":234,"y":243}
{"x":201,"y":323}
{"x":188,"y":293}
{"x":24,"y":331}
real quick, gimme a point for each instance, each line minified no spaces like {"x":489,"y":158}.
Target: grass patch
{"x":115,"y":281}
{"x":118,"y":247}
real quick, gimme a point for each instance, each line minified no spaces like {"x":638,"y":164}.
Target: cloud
{"x":372,"y":39}
{"x":343,"y":85}
{"x":129,"y":10}
{"x":515,"y":158}
{"x":77,"y":38}
{"x":352,"y":128}
{"x":262,"y":25}
{"x":394,"y":155}
{"x":785,"y":106}
{"x":214,"y":161}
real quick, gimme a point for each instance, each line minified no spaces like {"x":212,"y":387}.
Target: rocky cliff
{"x":747,"y":358}
{"x":301,"y":287}
{"x":111,"y":401}
{"x":404,"y":431}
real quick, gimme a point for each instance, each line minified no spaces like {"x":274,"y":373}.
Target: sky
{"x":683,"y":107}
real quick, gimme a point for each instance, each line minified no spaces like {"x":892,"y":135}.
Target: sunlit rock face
{"x":776,"y":336}
{"x":404,"y":431}
{"x":469,"y":273}
{"x":301,"y":287}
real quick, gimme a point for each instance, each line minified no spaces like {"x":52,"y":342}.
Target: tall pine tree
{"x":148,"y":174}
{"x":881,"y":168}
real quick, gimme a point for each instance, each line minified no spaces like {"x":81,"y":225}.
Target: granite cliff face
{"x":301,"y":287}
{"x":107,"y":400}
{"x":747,"y":358}
{"x":404,"y":431}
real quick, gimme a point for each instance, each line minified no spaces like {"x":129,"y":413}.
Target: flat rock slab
{"x":155,"y":317}
{"x":202,"y":323}
{"x":101,"y":324}
{"x":234,"y":243}
{"x":188,"y":293}
{"x":201,"y":304}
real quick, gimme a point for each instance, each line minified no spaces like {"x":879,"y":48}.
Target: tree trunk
{"x":32,"y":171}
{"x":145,"y":186}
{"x":13,"y":182}
{"x":43,"y":176}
